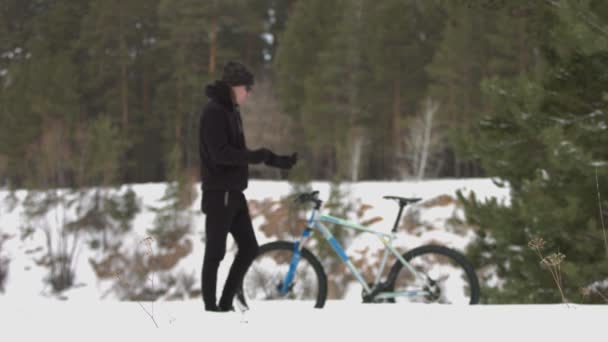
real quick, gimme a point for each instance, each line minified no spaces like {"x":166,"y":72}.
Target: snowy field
{"x":30,"y":312}
{"x":49,"y":320}
{"x":25,"y":276}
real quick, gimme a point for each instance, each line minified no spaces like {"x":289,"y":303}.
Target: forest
{"x":363,"y":90}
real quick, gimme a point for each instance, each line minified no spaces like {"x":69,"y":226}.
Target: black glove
{"x":283,"y":162}
{"x":260,"y":155}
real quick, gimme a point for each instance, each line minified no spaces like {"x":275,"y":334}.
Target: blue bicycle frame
{"x":314,"y":222}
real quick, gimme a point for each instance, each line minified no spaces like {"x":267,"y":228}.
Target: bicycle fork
{"x":297,"y":250}
{"x":297,"y":254}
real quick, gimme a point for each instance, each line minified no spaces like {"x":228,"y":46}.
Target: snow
{"x":28,"y":311}
{"x":40,"y":319}
{"x":25,"y":276}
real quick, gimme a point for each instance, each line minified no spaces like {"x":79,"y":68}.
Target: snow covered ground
{"x":29,"y":313}
{"x":42,"y":319}
{"x":25,"y":276}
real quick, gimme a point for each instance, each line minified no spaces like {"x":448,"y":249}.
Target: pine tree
{"x":40,"y":81}
{"x":457,"y":69}
{"x":309,"y":31}
{"x":481,"y":39}
{"x":545,"y":139}
{"x":399,"y":42}
{"x":333,"y":98}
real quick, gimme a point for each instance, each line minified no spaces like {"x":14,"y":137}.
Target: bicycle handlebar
{"x":309,"y":197}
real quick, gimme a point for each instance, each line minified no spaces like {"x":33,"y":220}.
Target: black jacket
{"x":223,"y":151}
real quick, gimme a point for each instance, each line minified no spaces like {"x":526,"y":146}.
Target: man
{"x":224,"y":175}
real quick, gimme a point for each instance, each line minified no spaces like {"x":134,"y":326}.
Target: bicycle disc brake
{"x":289,"y":288}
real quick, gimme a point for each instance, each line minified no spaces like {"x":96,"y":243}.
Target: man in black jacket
{"x":224,"y":175}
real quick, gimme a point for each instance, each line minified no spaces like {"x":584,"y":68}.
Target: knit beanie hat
{"x":236,"y":73}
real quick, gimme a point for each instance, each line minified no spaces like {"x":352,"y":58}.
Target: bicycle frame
{"x":315,"y":222}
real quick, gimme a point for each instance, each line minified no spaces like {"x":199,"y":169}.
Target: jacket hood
{"x":219,"y":91}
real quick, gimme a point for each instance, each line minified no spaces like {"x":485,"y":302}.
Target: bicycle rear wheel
{"x":450,"y":277}
{"x":264,"y":278}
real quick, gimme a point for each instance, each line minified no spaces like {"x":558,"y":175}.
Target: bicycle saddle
{"x":403,"y":200}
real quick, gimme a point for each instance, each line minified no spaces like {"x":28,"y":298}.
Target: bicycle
{"x":289,"y":270}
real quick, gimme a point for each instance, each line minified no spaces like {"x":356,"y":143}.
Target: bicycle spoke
{"x":448,"y":275}
{"x":267,"y":273}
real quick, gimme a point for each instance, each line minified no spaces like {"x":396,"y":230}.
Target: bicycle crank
{"x":432,"y":289}
{"x":371,"y":297}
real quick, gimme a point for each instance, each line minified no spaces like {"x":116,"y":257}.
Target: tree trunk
{"x":212,"y":46}
{"x":355,"y":164}
{"x":522,"y":48}
{"x":178,"y":110}
{"x":429,"y":112}
{"x":124,"y":55}
{"x":395,"y":128}
{"x":249,"y":49}
{"x":145,"y":91}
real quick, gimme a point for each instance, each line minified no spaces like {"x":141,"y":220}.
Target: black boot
{"x":226,"y":308}
{"x":215,"y":308}
{"x":211,"y":308}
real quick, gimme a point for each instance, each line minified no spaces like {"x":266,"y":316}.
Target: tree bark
{"x":124,"y":55}
{"x":522,"y":48}
{"x":145,"y":90}
{"x":249,"y":49}
{"x":212,"y":46}
{"x":178,"y":109}
{"x":356,"y":158}
{"x":429,"y":112}
{"x":395,"y":127}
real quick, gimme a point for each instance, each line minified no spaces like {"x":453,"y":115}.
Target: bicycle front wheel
{"x":265,"y":277}
{"x":447,"y":277}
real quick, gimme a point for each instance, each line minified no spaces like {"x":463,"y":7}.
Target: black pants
{"x":226,"y":212}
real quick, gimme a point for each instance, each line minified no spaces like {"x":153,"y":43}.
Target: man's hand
{"x":283,"y":162}
{"x":260,"y":155}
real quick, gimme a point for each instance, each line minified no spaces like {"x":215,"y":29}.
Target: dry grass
{"x":552,"y":262}
{"x":362,"y":209}
{"x":439,"y":201}
{"x":123,"y":282}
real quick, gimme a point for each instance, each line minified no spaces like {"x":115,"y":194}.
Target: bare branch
{"x":554,"y":3}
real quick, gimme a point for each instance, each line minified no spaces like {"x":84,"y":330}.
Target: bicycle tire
{"x":454,"y":256}
{"x":248,"y":288}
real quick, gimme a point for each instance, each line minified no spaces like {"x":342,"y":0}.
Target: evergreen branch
{"x":581,"y":15}
{"x":593,"y":24}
